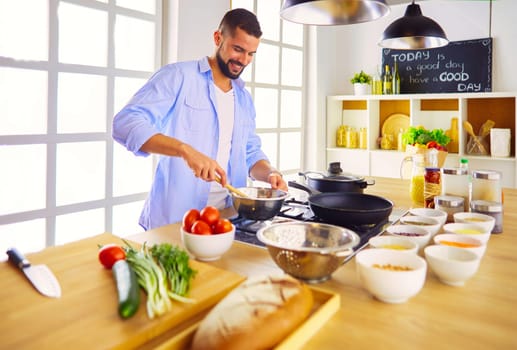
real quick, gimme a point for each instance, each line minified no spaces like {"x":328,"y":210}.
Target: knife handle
{"x":17,"y":258}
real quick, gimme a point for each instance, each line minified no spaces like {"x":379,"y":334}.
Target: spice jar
{"x":450,"y":205}
{"x":432,"y":186}
{"x":486,"y":185}
{"x":456,"y":182}
{"x":494,"y":209}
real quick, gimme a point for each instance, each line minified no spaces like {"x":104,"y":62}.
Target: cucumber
{"x":127,"y":289}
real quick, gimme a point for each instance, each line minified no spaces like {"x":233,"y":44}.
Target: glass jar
{"x":432,"y":186}
{"x":341,"y":136}
{"x":486,"y":185}
{"x":494,"y":209}
{"x":456,"y":182}
{"x":363,"y":138}
{"x":450,"y":205}
{"x":352,"y":138}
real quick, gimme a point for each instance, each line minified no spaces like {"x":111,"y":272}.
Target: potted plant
{"x":362,"y":83}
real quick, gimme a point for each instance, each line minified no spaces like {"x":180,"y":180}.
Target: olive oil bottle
{"x":387,"y":81}
{"x":377,"y":82}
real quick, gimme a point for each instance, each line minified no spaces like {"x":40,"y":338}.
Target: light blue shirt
{"x":179,"y":101}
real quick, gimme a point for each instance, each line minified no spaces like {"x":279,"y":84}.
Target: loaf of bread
{"x":258,"y":314}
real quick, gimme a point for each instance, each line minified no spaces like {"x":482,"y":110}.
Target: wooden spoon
{"x":470,"y":130}
{"x":484,"y":131}
{"x":232,"y":189}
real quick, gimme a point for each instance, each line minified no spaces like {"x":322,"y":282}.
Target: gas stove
{"x":294,"y":210}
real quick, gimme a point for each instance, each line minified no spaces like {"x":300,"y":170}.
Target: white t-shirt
{"x":225,"y":114}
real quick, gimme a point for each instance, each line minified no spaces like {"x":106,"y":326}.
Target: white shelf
{"x":430,"y":110}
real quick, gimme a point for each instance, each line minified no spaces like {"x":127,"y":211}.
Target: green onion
{"x":163,"y":271}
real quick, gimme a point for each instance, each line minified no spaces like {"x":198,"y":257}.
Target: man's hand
{"x":202,"y":166}
{"x":277,"y":181}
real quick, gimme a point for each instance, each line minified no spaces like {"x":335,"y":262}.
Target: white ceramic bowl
{"x":432,"y":225}
{"x":453,"y":266}
{"x":416,"y":234}
{"x":487,"y":221}
{"x":207,"y":247}
{"x":402,"y":244}
{"x":469,"y":230}
{"x":461,"y":241}
{"x":389,"y":285}
{"x":437,"y":214}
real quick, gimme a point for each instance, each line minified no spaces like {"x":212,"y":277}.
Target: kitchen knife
{"x":39,"y":275}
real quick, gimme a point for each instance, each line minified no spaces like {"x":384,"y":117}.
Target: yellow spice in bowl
{"x":469,"y":231}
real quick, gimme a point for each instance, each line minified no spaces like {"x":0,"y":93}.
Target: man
{"x":201,"y":119}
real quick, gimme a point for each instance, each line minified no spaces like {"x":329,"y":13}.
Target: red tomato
{"x":201,"y":228}
{"x":210,"y":215}
{"x":109,"y":254}
{"x":222,"y":226}
{"x":189,"y":218}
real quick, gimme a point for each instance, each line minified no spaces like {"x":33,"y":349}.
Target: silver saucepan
{"x":260,"y":204}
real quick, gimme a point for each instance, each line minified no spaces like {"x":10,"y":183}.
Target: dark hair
{"x":240,"y":18}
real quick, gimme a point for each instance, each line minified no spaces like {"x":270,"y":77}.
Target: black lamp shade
{"x":413,"y":31}
{"x":333,"y":12}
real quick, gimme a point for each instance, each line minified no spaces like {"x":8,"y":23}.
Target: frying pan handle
{"x":299,"y":186}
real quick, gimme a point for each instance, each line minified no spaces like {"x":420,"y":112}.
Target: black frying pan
{"x":347,"y":208}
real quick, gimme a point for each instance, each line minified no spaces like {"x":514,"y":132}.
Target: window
{"x":275,"y":81}
{"x":61,"y":80}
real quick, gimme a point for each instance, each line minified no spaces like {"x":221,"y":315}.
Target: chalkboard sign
{"x":461,"y":66}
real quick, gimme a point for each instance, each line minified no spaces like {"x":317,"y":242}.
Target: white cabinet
{"x":429,"y":110}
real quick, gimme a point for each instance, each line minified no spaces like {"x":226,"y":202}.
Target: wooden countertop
{"x":480,"y":315}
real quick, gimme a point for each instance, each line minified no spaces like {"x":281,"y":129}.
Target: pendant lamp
{"x":413,"y":31}
{"x":333,"y":12}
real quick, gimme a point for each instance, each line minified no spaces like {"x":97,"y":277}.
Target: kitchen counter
{"x":479,"y":315}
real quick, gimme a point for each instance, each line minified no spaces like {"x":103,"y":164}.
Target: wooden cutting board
{"x":86,"y":316}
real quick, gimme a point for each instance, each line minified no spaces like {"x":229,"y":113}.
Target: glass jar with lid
{"x":456,"y":182}
{"x":450,"y":205}
{"x":494,"y":209}
{"x":486,"y":185}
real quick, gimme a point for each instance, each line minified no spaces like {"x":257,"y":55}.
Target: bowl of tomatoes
{"x":205,"y":234}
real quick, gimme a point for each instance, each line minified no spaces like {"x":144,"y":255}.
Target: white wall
{"x":193,"y":22}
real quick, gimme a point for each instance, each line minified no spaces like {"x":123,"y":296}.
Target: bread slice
{"x":256,"y":315}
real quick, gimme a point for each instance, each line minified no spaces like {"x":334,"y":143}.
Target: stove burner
{"x":295,"y":210}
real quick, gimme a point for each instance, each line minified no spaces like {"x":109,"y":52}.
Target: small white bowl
{"x":432,"y":225}
{"x":207,"y":247}
{"x":394,"y":242}
{"x":487,"y":221}
{"x":387,"y":284}
{"x":461,"y":241}
{"x":416,"y":234}
{"x":437,"y":214}
{"x":469,"y":230}
{"x":453,"y":266}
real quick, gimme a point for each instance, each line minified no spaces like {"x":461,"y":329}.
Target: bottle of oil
{"x":395,"y":83}
{"x":387,"y":82}
{"x":377,"y":82}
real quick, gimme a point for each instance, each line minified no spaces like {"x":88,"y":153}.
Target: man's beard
{"x":223,"y":66}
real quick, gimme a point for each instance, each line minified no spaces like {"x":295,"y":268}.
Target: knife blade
{"x":39,"y":275}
